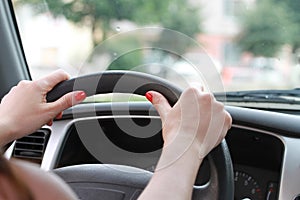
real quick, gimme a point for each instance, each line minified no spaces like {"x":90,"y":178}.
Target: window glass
{"x":246,"y":44}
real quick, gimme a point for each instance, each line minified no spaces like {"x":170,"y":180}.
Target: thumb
{"x":68,"y":100}
{"x":160,"y":103}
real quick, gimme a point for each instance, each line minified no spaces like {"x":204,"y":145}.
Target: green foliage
{"x":124,"y":59}
{"x":292,"y":8}
{"x":98,"y":14}
{"x":172,"y":14}
{"x":270,"y":25}
{"x":266,"y":29}
{"x":178,"y":15}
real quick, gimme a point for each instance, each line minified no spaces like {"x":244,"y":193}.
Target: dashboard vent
{"x":32,"y":147}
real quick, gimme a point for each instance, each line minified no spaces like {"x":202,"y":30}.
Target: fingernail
{"x":80,"y":96}
{"x":50,"y":123}
{"x":148,"y":96}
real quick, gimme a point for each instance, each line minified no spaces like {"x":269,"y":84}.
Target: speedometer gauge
{"x":246,"y":187}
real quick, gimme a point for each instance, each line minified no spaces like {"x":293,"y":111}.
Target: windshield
{"x":226,"y":45}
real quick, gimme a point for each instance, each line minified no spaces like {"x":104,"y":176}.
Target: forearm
{"x":175,"y":180}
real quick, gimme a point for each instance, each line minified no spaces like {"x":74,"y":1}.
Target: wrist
{"x":173,"y":166}
{"x":176,"y":170}
{"x":7,"y":134}
{"x":182,"y":147}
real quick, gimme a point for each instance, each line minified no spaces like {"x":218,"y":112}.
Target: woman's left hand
{"x":25,"y":109}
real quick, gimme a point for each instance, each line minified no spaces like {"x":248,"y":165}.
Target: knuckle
{"x":207,"y":97}
{"x":158,"y":100}
{"x":13,"y":88}
{"x":228,"y":119}
{"x":65,"y":102}
{"x":192,"y":90}
{"x":58,"y":76}
{"x":62,"y":73}
{"x":219,"y":106}
{"x":42,"y":84}
{"x":23,"y":83}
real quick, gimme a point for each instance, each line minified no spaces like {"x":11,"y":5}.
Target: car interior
{"x":259,"y":158}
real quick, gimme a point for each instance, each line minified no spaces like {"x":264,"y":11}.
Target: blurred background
{"x":251,"y":44}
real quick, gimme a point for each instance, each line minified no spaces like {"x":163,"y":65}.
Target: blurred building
{"x":221,"y":26}
{"x":220,"y":22}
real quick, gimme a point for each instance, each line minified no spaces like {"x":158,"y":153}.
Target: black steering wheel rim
{"x":219,"y":187}
{"x":106,"y":82}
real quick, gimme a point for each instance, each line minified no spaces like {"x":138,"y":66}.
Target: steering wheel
{"x":117,"y":182}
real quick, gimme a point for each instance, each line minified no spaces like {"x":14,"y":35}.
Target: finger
{"x":160,"y":103}
{"x":48,"y":82}
{"x":225,"y":128}
{"x":59,"y":116}
{"x":197,"y":85}
{"x":50,"y":123}
{"x":215,"y":132}
{"x":67,"y":101}
{"x":202,"y":88}
{"x":229,"y":120}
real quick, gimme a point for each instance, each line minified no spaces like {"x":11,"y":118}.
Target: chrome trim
{"x":290,"y":171}
{"x":8,"y":153}
{"x":260,"y":131}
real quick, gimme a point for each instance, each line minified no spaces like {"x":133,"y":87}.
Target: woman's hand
{"x":24,"y":109}
{"x":191,"y":129}
{"x":196,"y":121}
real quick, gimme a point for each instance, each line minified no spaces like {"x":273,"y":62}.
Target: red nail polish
{"x":148,"y":96}
{"x":80,"y":96}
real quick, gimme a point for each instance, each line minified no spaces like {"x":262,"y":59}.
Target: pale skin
{"x":198,"y":121}
{"x":22,"y":111}
{"x":185,"y":143}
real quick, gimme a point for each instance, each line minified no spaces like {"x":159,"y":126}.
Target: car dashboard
{"x":264,"y":145}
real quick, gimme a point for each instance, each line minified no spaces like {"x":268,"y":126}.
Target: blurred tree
{"x":265,"y":30}
{"x":98,"y":14}
{"x":184,"y":19}
{"x":125,"y":56}
{"x":292,"y":8}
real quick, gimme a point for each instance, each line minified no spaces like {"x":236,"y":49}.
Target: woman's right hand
{"x":197,"y":120}
{"x":191,"y":129}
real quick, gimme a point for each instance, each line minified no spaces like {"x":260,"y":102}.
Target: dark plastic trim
{"x":13,"y":67}
{"x":279,"y":123}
